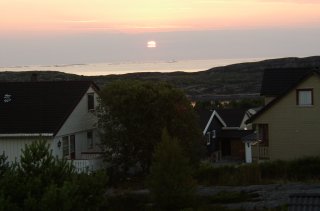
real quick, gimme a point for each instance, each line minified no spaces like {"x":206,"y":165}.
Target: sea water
{"x":133,"y":66}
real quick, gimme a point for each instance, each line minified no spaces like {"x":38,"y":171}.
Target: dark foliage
{"x":132,"y":116}
{"x":43,"y":182}
{"x":170,"y":182}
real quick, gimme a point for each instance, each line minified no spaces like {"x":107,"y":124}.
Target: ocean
{"x":133,"y":66}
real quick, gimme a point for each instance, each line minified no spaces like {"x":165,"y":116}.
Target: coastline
{"x":109,"y":68}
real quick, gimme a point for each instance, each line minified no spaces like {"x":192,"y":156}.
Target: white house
{"x":61,"y":112}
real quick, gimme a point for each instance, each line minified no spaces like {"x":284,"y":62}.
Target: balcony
{"x":88,"y":162}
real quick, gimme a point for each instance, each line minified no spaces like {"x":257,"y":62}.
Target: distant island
{"x":241,"y":80}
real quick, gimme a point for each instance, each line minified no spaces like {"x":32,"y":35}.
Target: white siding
{"x":13,"y":146}
{"x":79,"y":123}
{"x":80,"y":119}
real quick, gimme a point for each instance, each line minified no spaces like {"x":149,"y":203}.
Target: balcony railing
{"x":89,"y":162}
{"x":260,"y":152}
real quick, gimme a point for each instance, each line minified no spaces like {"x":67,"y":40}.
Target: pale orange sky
{"x":154,"y":15}
{"x":89,"y":31}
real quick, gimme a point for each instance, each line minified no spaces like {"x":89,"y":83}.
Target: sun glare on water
{"x":151,"y":44}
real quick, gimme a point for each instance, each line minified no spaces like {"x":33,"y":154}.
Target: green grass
{"x":299,"y":170}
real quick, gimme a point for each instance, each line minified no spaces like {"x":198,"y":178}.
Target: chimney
{"x":34,"y":77}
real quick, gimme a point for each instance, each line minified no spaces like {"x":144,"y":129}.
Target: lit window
{"x":90,"y":139}
{"x":90,"y":101}
{"x":304,"y":97}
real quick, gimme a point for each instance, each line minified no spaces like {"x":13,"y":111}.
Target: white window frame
{"x":304,"y":97}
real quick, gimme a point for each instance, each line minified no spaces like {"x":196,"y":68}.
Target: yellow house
{"x":288,"y":126}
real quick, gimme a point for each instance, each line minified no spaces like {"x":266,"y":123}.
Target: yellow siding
{"x":294,"y":131}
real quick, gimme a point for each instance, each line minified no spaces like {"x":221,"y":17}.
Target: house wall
{"x":268,"y":99}
{"x":294,"y":131}
{"x":13,"y":146}
{"x":79,"y":123}
{"x":217,"y":126}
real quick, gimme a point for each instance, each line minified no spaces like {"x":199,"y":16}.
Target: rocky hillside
{"x":237,"y":80}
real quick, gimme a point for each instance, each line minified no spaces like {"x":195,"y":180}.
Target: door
{"x":72,"y":147}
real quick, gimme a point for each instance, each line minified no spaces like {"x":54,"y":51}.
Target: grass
{"x":300,"y":170}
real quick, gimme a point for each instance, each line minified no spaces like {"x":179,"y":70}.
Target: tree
{"x":171,"y":183}
{"x":41,"y":181}
{"x":4,"y":165}
{"x":26,"y":182}
{"x":132,"y":115}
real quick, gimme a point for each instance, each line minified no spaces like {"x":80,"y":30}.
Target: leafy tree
{"x":41,"y":181}
{"x":25,"y":183}
{"x":37,"y":161}
{"x":132,"y":115}
{"x":171,"y":183}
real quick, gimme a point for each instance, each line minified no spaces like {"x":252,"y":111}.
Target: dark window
{"x":90,"y":139}
{"x":263,"y":130}
{"x":90,"y":101}
{"x":72,"y":147}
{"x":304,"y":97}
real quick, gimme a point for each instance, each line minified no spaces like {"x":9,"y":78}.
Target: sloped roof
{"x":283,"y":94}
{"x":204,"y":116}
{"x":234,"y":133}
{"x":277,"y":81}
{"x":38,"y":107}
{"x":232,"y":117}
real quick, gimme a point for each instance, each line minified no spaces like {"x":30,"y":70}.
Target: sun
{"x":151,"y":44}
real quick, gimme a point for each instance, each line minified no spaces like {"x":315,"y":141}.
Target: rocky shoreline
{"x":269,"y":196}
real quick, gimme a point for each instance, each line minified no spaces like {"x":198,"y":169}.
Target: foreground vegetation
{"x":299,"y":170}
{"x":42,"y":182}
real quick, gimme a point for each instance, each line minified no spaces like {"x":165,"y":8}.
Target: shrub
{"x":171,"y":183}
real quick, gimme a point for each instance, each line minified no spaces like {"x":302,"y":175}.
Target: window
{"x":90,"y":101}
{"x":304,"y":97}
{"x":208,"y":138}
{"x":263,"y":131}
{"x":90,"y":139}
{"x":65,"y":146}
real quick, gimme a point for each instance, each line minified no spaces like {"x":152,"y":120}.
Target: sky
{"x":38,"y":32}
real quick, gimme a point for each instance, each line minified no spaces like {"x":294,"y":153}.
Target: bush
{"x":171,"y":183}
{"x":302,"y":169}
{"x":43,"y":182}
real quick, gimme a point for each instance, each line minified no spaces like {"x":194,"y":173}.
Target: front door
{"x":225,"y":147}
{"x":72,"y":147}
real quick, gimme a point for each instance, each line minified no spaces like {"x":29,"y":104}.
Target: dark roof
{"x":234,"y":133}
{"x":269,"y":105}
{"x":38,"y":107}
{"x":204,"y":116}
{"x":277,"y":81}
{"x":232,"y":117}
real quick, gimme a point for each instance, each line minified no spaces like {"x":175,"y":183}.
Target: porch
{"x":88,"y":162}
{"x":260,"y":153}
